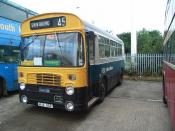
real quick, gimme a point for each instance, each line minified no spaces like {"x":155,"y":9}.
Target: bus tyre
{"x":1,"y":88}
{"x":102,"y":90}
{"x":120,"y":78}
{"x":164,"y":100}
{"x":163,"y":87}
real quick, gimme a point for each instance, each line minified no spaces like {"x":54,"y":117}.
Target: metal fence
{"x":143,"y":64}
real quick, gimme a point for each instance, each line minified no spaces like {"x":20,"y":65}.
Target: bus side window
{"x":91,"y":49}
{"x":91,"y":42}
{"x":168,"y":51}
{"x":172,"y":48}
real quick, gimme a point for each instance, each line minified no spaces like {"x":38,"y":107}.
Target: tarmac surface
{"x":133,"y":106}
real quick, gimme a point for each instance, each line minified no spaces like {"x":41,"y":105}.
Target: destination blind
{"x":48,"y":23}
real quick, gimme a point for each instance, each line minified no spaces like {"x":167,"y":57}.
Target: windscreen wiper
{"x":33,"y":39}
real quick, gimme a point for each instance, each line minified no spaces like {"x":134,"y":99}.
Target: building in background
{"x":11,"y":15}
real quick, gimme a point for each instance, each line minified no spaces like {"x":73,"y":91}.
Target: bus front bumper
{"x":54,"y":97}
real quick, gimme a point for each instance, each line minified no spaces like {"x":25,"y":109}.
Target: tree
{"x":147,"y":41}
{"x":126,"y":37}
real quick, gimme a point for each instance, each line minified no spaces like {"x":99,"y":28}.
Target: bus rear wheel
{"x":120,"y":78}
{"x":102,"y":90}
{"x":164,"y":94}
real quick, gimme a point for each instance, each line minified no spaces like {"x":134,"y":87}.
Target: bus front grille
{"x":45,"y":79}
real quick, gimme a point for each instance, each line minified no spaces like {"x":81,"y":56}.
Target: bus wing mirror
{"x":20,"y":51}
{"x":90,"y":34}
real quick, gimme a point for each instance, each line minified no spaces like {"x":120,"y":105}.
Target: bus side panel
{"x":170,"y":91}
{"x":9,"y":74}
{"x":111,"y":70}
{"x":9,"y":69}
{"x":9,"y":37}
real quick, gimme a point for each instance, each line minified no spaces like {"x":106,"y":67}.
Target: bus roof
{"x":10,"y":3}
{"x":91,"y":27}
{"x":81,"y":24}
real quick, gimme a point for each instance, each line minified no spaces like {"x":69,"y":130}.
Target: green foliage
{"x":147,"y":41}
{"x":129,"y":69}
{"x":126,"y":37}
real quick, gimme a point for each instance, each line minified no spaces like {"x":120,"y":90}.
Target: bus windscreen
{"x":57,"y":50}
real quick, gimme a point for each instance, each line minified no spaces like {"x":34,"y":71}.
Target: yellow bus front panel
{"x":58,"y":77}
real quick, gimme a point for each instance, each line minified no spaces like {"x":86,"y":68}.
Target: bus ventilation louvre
{"x":45,"y":79}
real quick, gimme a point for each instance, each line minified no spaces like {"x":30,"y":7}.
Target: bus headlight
{"x":69,"y":90}
{"x":24,"y":99}
{"x":69,"y":106}
{"x":22,"y":86}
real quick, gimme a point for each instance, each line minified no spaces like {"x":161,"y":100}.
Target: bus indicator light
{"x":72,"y":77}
{"x":21,"y":74}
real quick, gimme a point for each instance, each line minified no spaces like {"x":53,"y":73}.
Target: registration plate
{"x":44,"y":90}
{"x":45,"y":105}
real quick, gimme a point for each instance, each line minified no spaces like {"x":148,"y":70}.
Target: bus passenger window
{"x":116,"y":51}
{"x":172,"y":59}
{"x":101,"y":51}
{"x":168,"y":51}
{"x":107,"y":50}
{"x":91,"y":49}
{"x":112,"y":51}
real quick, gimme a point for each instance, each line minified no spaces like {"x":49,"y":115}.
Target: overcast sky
{"x":112,"y":15}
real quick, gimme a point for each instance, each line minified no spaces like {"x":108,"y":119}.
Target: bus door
{"x":90,"y":39}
